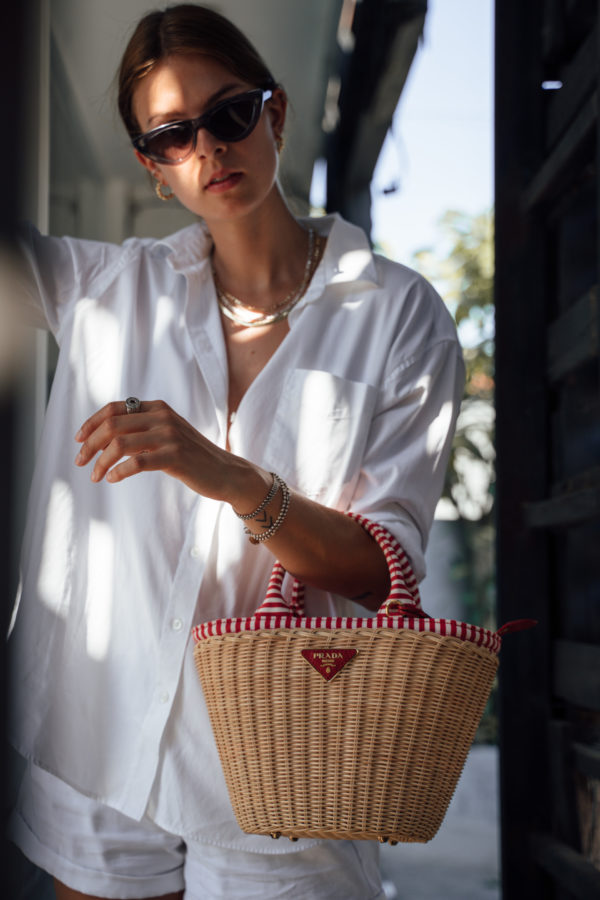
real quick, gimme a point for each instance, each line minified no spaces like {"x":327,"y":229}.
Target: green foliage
{"x":462,"y":269}
{"x":463,"y":272}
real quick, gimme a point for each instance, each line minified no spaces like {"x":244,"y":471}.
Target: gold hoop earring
{"x":158,"y":189}
{"x":279,"y":142}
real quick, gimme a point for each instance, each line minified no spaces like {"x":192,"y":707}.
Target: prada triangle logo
{"x":328,"y":662}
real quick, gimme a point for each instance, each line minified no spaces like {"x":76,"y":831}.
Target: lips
{"x":223,"y":180}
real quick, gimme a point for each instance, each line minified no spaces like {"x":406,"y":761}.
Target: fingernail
{"x":79,"y":435}
{"x":94,"y":476}
{"x":79,"y":459}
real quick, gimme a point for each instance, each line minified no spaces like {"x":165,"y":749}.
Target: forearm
{"x":320,"y":546}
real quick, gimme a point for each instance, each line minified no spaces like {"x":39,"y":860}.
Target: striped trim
{"x":473,"y":634}
{"x":277,"y":613}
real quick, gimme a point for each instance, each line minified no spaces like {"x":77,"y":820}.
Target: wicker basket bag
{"x":344,"y":728}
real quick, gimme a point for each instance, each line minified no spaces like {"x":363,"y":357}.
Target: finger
{"x":123,"y":445}
{"x":145,"y":461}
{"x":108,"y":426}
{"x":113,"y":428}
{"x":114,"y":409}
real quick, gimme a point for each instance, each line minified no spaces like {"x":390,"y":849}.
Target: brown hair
{"x":185,"y":28}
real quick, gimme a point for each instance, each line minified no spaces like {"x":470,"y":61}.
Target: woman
{"x":267,"y":352}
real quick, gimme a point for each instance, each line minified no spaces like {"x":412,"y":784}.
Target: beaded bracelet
{"x":272,"y":491}
{"x":285,"y":505}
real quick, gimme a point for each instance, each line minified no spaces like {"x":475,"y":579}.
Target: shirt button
{"x":176,"y":624}
{"x":195,"y":552}
{"x":164,"y":696}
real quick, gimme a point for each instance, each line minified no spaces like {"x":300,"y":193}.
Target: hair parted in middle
{"x":186,"y":28}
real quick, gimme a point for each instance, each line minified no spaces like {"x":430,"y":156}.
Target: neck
{"x":261,"y":256}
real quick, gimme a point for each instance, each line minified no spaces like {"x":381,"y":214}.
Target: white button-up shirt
{"x":355,"y":409}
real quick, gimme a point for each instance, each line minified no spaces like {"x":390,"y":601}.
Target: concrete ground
{"x":462,"y":860}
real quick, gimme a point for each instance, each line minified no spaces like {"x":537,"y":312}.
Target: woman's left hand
{"x":155,"y":438}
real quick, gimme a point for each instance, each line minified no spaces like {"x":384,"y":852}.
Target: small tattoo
{"x":266,"y":524}
{"x":264,"y":520}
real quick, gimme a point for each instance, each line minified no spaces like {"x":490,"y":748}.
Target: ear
{"x":277,"y":108}
{"x":150,"y":166}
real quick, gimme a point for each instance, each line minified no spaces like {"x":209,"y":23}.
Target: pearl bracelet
{"x":285,"y":505}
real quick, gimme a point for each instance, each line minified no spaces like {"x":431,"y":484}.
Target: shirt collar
{"x":187,"y":249}
{"x":347,"y":257}
{"x":347,"y":260}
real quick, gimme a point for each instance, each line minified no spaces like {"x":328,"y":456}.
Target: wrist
{"x":247,"y":486}
{"x":247,"y":517}
{"x":268,"y":518}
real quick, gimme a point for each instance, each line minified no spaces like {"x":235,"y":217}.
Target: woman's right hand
{"x":158,"y":439}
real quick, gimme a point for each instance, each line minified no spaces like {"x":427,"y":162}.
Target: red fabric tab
{"x":328,"y":662}
{"x":517,"y":625}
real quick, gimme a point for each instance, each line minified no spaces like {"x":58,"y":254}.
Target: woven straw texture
{"x":373,"y":753}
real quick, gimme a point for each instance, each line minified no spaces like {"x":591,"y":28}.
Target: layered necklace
{"x":253,"y":316}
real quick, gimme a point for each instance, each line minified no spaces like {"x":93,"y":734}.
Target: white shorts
{"x":97,"y":850}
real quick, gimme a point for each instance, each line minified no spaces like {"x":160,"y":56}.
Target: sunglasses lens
{"x":172,"y":144}
{"x":234,"y":121}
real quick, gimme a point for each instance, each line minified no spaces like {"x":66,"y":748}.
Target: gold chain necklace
{"x":252,"y":316}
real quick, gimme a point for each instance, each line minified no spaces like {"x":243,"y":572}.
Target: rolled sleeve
{"x":409,"y":445}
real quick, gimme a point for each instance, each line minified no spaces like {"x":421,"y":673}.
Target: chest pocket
{"x":319,"y":432}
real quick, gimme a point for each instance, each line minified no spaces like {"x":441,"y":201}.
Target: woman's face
{"x":219,"y":181}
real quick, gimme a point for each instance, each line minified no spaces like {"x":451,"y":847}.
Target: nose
{"x":207,"y":144}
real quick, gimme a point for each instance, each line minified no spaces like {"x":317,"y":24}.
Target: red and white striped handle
{"x":403,"y":599}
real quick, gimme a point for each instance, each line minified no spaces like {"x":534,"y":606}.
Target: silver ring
{"x":133,"y":405}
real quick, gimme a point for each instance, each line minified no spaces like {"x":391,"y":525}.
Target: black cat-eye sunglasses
{"x":230,"y":120}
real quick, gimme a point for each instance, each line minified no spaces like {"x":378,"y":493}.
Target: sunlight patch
{"x":99,"y":589}
{"x":439,"y":428}
{"x":352,"y":265}
{"x":57,"y":545}
{"x":96,"y":349}
{"x":163,"y":318}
